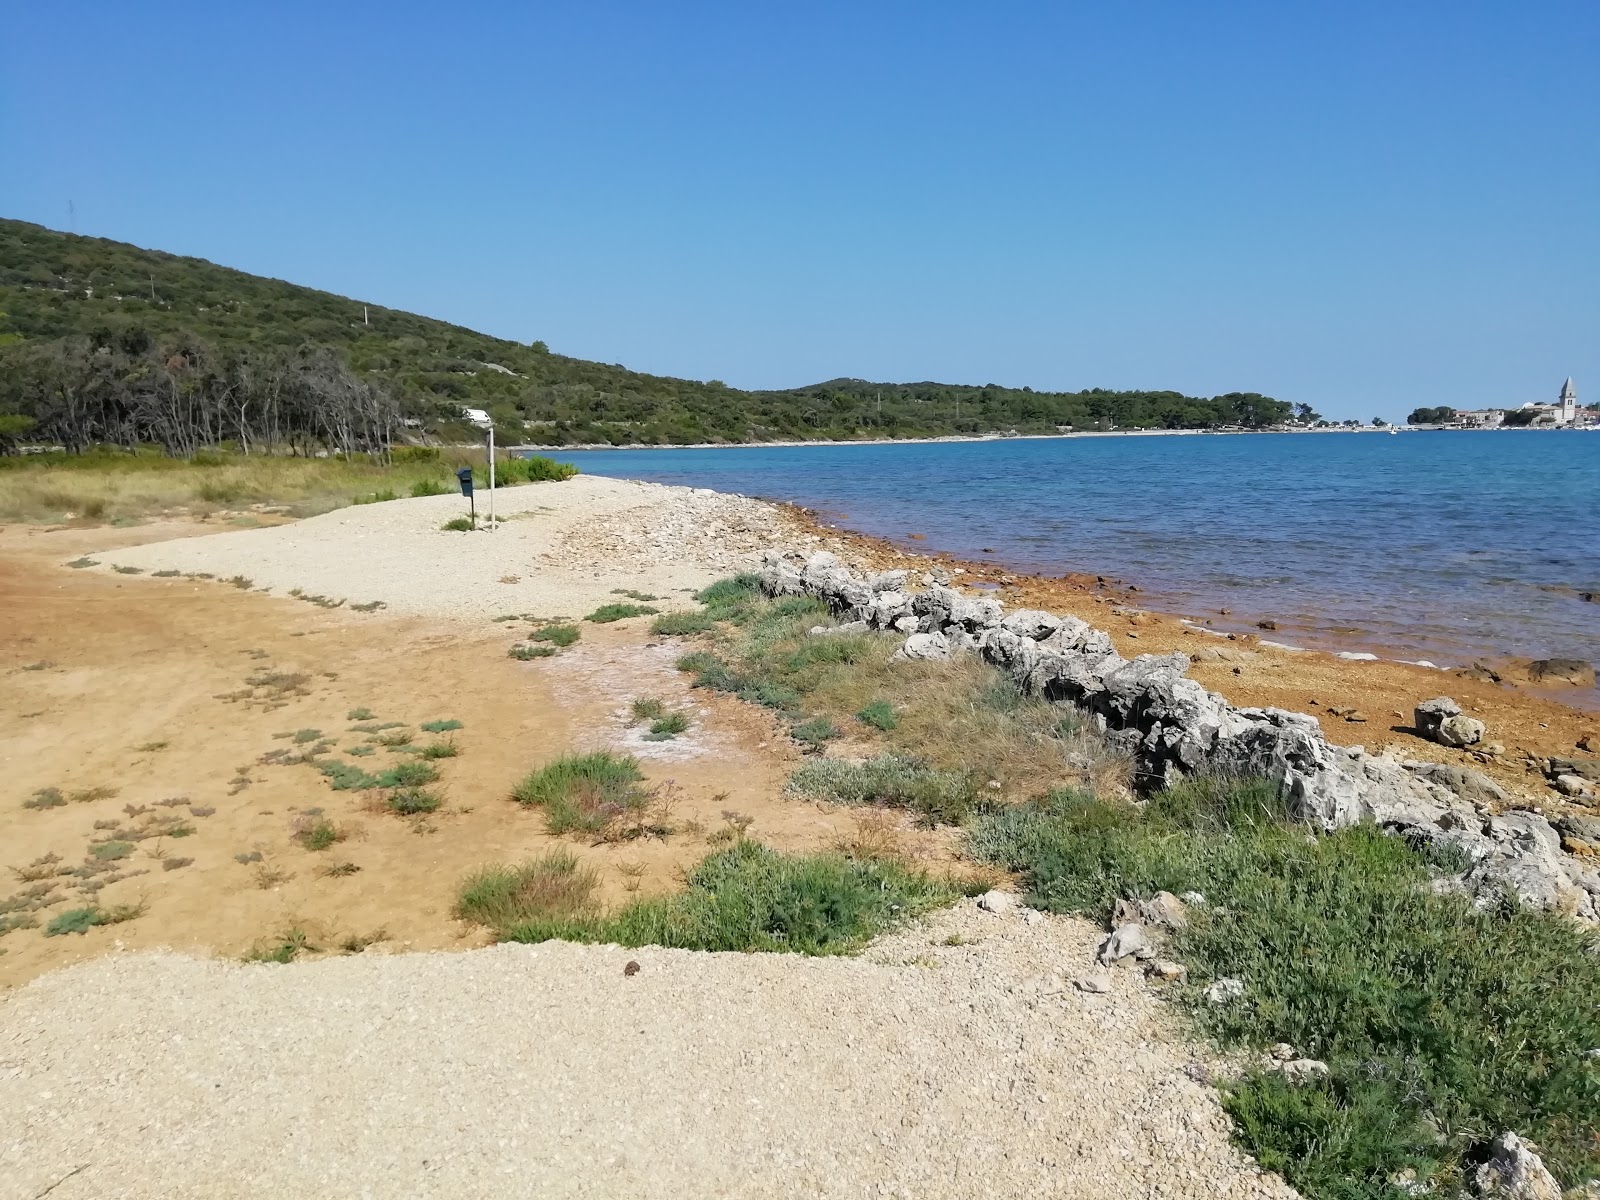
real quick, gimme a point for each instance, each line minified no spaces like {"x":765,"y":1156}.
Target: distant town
{"x":1564,"y":413}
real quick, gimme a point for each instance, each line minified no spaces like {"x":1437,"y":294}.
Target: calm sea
{"x":1445,"y":546}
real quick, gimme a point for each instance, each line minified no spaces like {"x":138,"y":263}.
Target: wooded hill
{"x":105,"y":342}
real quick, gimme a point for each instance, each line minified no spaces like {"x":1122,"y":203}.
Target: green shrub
{"x":445,"y":726}
{"x":940,"y":797}
{"x":530,"y":652}
{"x":750,"y":898}
{"x":559,"y":635}
{"x":458,"y":525}
{"x":535,"y":469}
{"x":81,"y":920}
{"x":318,"y":834}
{"x":345,"y":777}
{"x":1443,"y":1022}
{"x":668,"y":727}
{"x":410,"y":801}
{"x":814,"y":732}
{"x":438,"y":750}
{"x":879,"y":714}
{"x":726,"y":597}
{"x":408,"y":774}
{"x":647,"y":708}
{"x":111,"y":851}
{"x":428,"y":487}
{"x":282,"y":948}
{"x":676,"y":624}
{"x":607,"y":613}
{"x":45,"y":798}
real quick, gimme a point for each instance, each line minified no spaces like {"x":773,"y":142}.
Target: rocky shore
{"x":1173,"y":726}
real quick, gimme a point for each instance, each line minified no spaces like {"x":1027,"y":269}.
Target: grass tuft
{"x":457,"y":525}
{"x":525,"y":653}
{"x":607,"y":613}
{"x":584,"y":793}
{"x":448,"y":725}
{"x":557,"y":635}
{"x":81,"y":920}
{"x":553,"y":887}
{"x":880,"y":715}
{"x":410,"y":801}
{"x":816,"y":732}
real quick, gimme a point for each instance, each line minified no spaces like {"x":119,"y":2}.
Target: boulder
{"x":1459,"y":731}
{"x":888,"y":581}
{"x":1303,"y":1070}
{"x":975,"y":613}
{"x":1584,"y":768}
{"x":1164,"y":911}
{"x":1474,"y":787}
{"x":1098,"y":984}
{"x":1428,"y":715}
{"x":1164,"y":970}
{"x":1514,"y":1172}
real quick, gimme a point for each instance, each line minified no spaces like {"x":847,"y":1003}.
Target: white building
{"x":1567,"y":404}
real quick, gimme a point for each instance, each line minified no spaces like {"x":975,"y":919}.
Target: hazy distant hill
{"x":84,"y":293}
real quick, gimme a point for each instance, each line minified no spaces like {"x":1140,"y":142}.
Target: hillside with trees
{"x":106,"y":343}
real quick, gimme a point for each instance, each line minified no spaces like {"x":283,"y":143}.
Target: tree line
{"x":185,"y":396}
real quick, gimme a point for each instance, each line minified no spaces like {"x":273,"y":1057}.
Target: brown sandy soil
{"x":124,"y":684}
{"x":1247,"y":673}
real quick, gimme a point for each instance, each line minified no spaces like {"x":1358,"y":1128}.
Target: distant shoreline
{"x":1017,"y":437}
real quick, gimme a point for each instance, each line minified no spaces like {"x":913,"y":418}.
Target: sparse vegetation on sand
{"x":1443,"y":1023}
{"x":960,"y":717}
{"x":608,"y":613}
{"x":556,"y":635}
{"x":678,"y":624}
{"x":282,"y":947}
{"x":744,"y":898}
{"x":81,"y":920}
{"x":526,"y":653}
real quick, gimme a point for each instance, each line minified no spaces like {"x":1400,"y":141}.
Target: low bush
{"x":726,"y":598}
{"x":408,"y":774}
{"x":428,"y":487}
{"x":608,"y":613}
{"x":556,"y":635}
{"x":677,"y":624}
{"x":345,"y":777}
{"x":316,"y":833}
{"x":815,"y":732}
{"x":449,"y":725}
{"x":668,"y":727}
{"x":938,"y":797}
{"x":81,"y":920}
{"x":534,"y":469}
{"x":880,"y":715}
{"x":744,"y":898}
{"x":648,"y":708}
{"x":438,"y":750}
{"x":526,"y":653}
{"x":458,"y":525}
{"x":284,"y":947}
{"x":413,"y":800}
{"x":1444,"y":1023}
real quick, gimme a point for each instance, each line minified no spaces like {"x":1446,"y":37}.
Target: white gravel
{"x":920,"y":1069}
{"x":560,"y":549}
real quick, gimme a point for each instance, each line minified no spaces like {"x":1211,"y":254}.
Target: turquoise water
{"x":1445,"y":546}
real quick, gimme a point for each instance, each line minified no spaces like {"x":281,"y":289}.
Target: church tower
{"x":1567,"y":410}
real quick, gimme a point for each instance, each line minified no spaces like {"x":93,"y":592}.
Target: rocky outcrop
{"x":1171,"y":726}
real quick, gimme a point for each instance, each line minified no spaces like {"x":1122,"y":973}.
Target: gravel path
{"x":919,"y":1069}
{"x":560,"y":550}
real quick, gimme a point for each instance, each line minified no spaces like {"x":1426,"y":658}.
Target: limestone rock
{"x":1459,"y":731}
{"x":1515,"y":1172}
{"x":997,"y":902}
{"x":1430,"y":713}
{"x":1572,"y":671}
{"x":1031,"y":623}
{"x":1224,"y":991}
{"x":1166,"y":971}
{"x":924,"y":647}
{"x":1098,"y":984}
{"x":1126,"y":941}
{"x":1304,"y":1070}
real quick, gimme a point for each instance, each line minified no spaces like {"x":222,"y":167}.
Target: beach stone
{"x":1474,"y":787}
{"x":1164,"y":970}
{"x":1164,"y":910}
{"x":1459,"y":731}
{"x":1583,"y":768}
{"x":1097,"y":984}
{"x":1430,"y":713}
{"x":1573,"y":785}
{"x":924,"y":647}
{"x":1515,"y":1172}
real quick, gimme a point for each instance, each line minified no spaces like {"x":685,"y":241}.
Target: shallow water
{"x":1445,"y":546}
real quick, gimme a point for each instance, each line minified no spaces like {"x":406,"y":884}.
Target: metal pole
{"x":491,"y":477}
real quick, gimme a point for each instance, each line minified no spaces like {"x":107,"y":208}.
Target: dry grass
{"x":552,"y":887}
{"x":123,"y":487}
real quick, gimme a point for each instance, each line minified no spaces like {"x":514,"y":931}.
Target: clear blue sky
{"x":1365,"y":206}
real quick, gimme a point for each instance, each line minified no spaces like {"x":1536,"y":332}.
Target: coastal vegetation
{"x":1436,"y":1022}
{"x":103,"y":343}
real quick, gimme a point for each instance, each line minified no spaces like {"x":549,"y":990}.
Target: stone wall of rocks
{"x":1173,"y":727}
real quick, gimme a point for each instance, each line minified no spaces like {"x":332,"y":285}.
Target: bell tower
{"x":1567,"y":404}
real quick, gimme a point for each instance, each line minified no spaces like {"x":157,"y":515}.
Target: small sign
{"x":465,"y":476}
